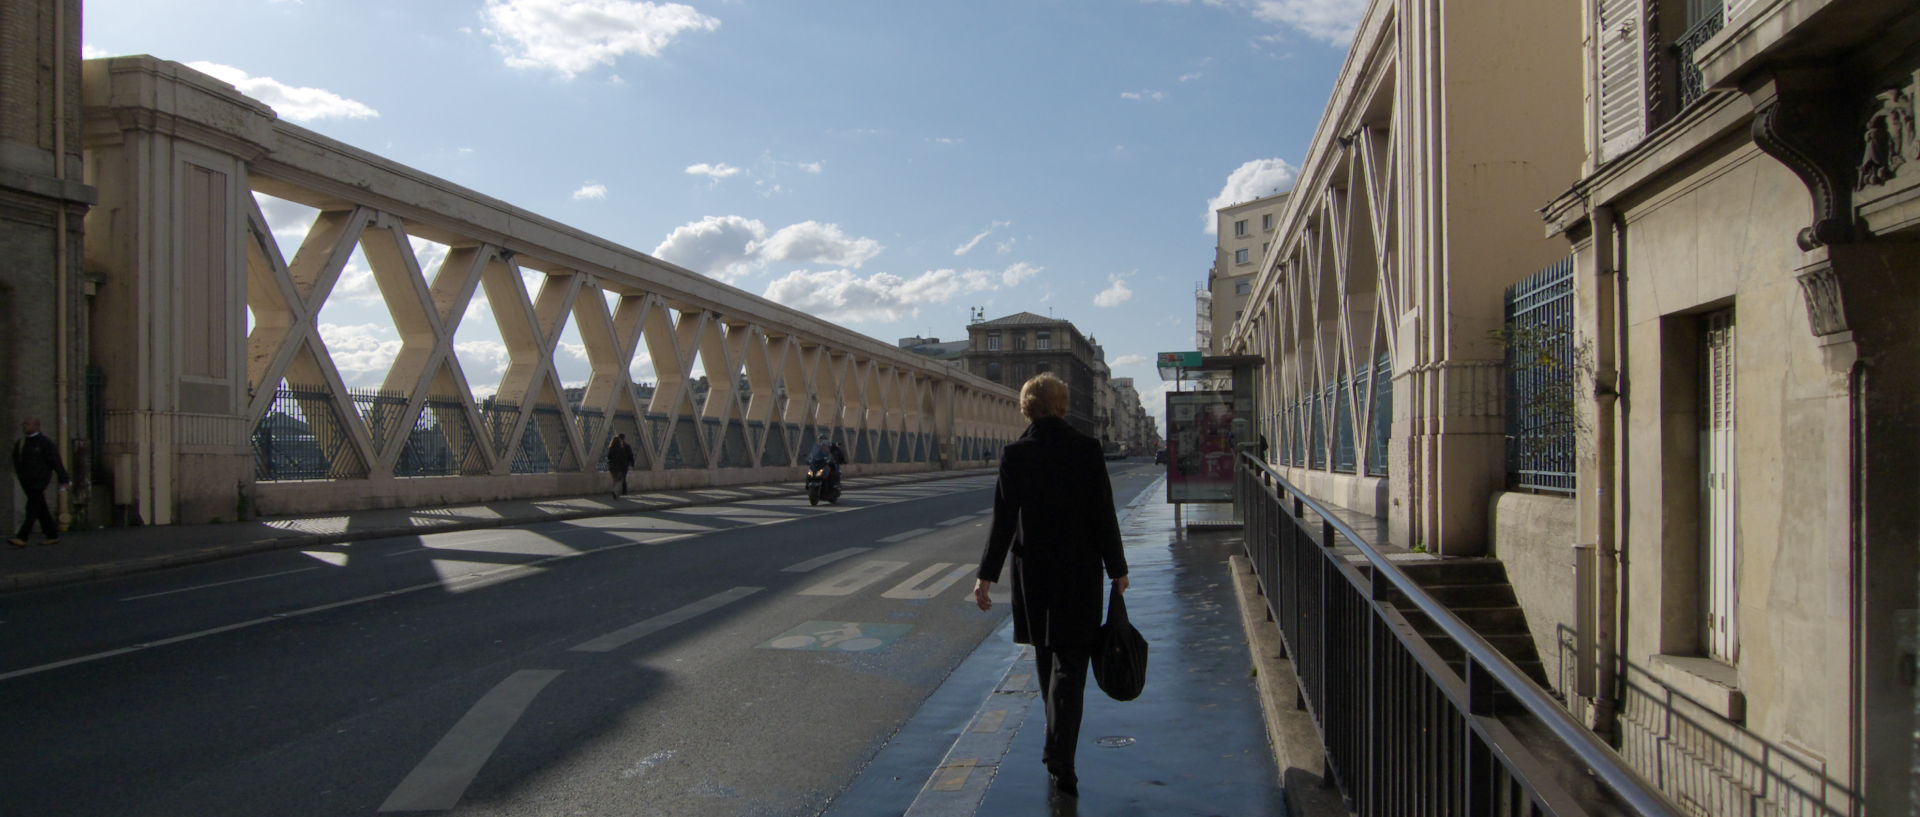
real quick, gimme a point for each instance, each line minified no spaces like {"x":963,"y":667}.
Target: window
{"x":1240,"y":227}
{"x":1243,"y":286}
{"x":1266,"y":221}
{"x":993,"y":370}
{"x":993,"y":342}
{"x":1019,"y":340}
{"x":1042,"y":368}
{"x":1240,"y":256}
{"x":1719,"y":542}
{"x":1043,"y":339}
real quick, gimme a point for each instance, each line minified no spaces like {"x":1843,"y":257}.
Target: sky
{"x":885,"y":165}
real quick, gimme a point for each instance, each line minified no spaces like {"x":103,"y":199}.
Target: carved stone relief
{"x":1825,"y":312}
{"x":1891,"y":140}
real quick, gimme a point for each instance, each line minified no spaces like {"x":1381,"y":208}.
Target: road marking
{"x":838,"y":636}
{"x":846,"y":584}
{"x":634,"y":632}
{"x":217,"y":584}
{"x":990,"y":721}
{"x":444,"y":774}
{"x":905,"y":535}
{"x":952,"y":775}
{"x":822,"y":561}
{"x":958,"y":520}
{"x":916,"y":588}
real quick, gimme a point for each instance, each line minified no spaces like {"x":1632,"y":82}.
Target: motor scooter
{"x":821,"y":485}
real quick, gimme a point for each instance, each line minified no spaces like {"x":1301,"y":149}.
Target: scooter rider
{"x":830,"y":451}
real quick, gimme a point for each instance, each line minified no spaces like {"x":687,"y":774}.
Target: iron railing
{"x":1543,"y":360}
{"x":1690,"y":86}
{"x":1382,"y":417}
{"x":302,"y":437}
{"x":1406,"y":733}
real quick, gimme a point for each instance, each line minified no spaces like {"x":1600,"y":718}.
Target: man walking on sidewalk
{"x":36,"y":460}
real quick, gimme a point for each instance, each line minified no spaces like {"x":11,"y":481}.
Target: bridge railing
{"x":1406,"y":733}
{"x":207,"y":321}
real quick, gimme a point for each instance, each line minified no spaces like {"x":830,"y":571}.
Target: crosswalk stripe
{"x":914,"y":589}
{"x":444,"y":774}
{"x":852,"y":581}
{"x":822,"y":561}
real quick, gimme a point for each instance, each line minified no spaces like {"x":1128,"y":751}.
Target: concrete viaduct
{"x":205,"y":417}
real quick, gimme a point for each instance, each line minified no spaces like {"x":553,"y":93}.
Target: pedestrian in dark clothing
{"x":36,"y":461}
{"x":1053,"y":510}
{"x":619,"y":460}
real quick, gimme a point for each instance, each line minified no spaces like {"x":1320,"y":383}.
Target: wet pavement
{"x":1195,"y":743}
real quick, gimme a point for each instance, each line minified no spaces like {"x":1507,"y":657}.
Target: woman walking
{"x":1053,"y":510}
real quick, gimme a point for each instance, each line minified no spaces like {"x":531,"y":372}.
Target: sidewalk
{"x":93,"y":554}
{"x":1195,"y":743}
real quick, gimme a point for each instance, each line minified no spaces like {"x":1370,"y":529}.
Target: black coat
{"x":619,"y":457}
{"x":36,"y":460}
{"x":1053,"y":508}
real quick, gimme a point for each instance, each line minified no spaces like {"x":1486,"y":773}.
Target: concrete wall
{"x":1533,"y":535}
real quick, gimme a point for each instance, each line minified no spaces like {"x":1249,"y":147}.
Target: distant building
{"x":1246,"y":232}
{"x":1011,"y":349}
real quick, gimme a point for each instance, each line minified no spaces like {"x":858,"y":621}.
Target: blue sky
{"x":884,"y":164}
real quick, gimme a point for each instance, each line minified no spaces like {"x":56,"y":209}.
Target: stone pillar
{"x":168,"y":148}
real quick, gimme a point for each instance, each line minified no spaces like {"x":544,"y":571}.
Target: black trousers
{"x":621,"y":475}
{"x":1063,"y":686}
{"x":37,"y":510}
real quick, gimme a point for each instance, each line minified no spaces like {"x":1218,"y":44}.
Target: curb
{"x":68,"y":575}
{"x":1296,"y":743}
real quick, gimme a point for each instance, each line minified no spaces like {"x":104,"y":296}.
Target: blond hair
{"x":1043,"y":396}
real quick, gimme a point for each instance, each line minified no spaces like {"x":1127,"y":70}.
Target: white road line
{"x":915,"y":588}
{"x":217,"y":584}
{"x":634,"y":632}
{"x":822,"y":561}
{"x":444,"y":774}
{"x":905,"y":535}
{"x":846,"y":584}
{"x":958,"y":520}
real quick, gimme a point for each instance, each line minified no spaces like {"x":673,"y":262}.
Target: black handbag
{"x":1120,"y":660}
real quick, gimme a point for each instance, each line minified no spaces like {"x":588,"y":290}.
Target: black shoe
{"x":1066,"y":785}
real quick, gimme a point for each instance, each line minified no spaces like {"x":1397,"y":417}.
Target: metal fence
{"x":1543,"y":363}
{"x":1690,"y":85}
{"x":1382,"y":384}
{"x":302,"y":437}
{"x":1405,"y":732}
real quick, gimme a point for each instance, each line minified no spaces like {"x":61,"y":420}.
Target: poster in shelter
{"x":1200,"y":445}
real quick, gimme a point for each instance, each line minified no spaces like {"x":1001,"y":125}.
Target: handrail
{"x":1635,"y":790}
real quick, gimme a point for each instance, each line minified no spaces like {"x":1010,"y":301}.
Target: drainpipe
{"x":61,"y":341}
{"x":1609,"y":616}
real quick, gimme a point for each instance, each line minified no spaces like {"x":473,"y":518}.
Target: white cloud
{"x":1260,"y":177}
{"x":721,"y":247}
{"x":1130,"y":360}
{"x":840,"y":295}
{"x":816,"y":243}
{"x":945,"y":140}
{"x":88,"y":52}
{"x":963,"y":249}
{"x":293,"y":102}
{"x":1191,"y":76}
{"x":713,"y":171}
{"x":591,"y":190}
{"x":573,"y":36}
{"x":1114,"y":295}
{"x":729,"y":248}
{"x":1144,"y":95}
{"x":362,"y":352}
{"x":1331,"y":21}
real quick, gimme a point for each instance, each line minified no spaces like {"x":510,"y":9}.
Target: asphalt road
{"x":738,"y":659}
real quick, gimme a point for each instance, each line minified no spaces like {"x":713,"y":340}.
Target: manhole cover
{"x":1114,"y":741}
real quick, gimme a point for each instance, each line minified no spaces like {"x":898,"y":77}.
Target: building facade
{"x":1743,"y":237}
{"x":1245,"y":233}
{"x":1010,"y":349}
{"x":43,"y":204}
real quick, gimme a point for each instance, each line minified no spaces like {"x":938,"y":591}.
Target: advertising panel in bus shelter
{"x":1200,"y":445}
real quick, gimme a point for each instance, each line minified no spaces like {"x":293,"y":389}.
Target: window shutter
{"x":1623,"y":83}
